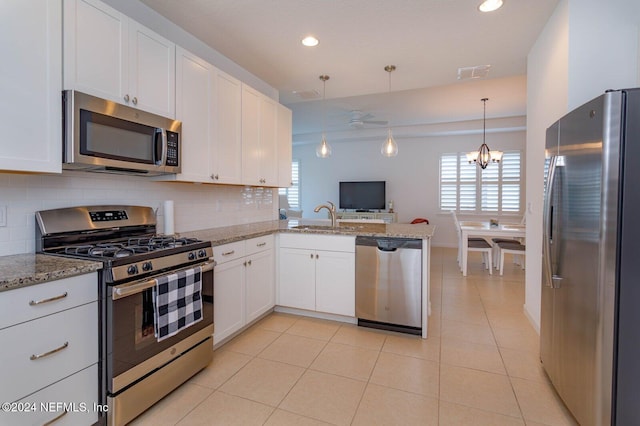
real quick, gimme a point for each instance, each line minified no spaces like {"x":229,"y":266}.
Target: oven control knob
{"x":147,"y":266}
{"x":202,"y":253}
{"x":132,"y":270}
{"x":192,"y":256}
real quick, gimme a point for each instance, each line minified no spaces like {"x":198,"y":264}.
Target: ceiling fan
{"x":359,"y":119}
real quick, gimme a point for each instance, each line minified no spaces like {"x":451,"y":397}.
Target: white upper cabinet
{"x":268,"y":141}
{"x":30,"y":83}
{"x":259,"y":139}
{"x":251,"y":136}
{"x":108,"y":55}
{"x":151,"y":71}
{"x":194,"y":108}
{"x":284,"y":146}
{"x":226,"y":158}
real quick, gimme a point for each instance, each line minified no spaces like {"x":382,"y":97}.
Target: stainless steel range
{"x":156,"y":300}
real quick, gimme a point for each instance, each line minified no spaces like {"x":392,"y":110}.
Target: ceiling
{"x":428,"y":40}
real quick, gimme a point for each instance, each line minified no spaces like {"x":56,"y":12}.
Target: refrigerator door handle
{"x":547,"y":225}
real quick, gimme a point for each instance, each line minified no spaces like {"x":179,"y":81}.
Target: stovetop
{"x":122,"y":237}
{"x":131,"y":247}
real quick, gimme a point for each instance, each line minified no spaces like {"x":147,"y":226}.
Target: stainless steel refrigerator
{"x":590,"y":319}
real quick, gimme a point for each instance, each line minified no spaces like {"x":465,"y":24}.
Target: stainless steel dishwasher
{"x":389,"y":283}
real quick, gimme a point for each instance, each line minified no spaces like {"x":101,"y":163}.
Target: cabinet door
{"x":335,"y":283}
{"x":95,"y":49}
{"x":260,"y":284}
{"x":297,"y":279}
{"x":227,"y":115}
{"x":152,"y":60}
{"x":250,"y":136}
{"x":30,"y":83}
{"x":193,"y":108}
{"x":228,"y":299}
{"x":81,"y":387}
{"x":268,"y":142}
{"x":284,"y":146}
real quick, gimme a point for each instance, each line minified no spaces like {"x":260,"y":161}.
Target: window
{"x":293,"y":192}
{"x":467,"y":188}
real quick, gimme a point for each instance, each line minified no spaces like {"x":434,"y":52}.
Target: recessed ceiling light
{"x":310,"y":41}
{"x":490,"y":5}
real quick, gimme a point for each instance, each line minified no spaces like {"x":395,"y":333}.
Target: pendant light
{"x":389,"y":147}
{"x":483,"y":156}
{"x":323,"y":150}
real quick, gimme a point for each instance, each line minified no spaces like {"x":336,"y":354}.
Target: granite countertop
{"x":21,"y":270}
{"x":230,"y":234}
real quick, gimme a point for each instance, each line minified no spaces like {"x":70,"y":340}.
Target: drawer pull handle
{"x":228,"y":253}
{"x":261,"y":244}
{"x":51,"y":352}
{"x":51,"y":299}
{"x":52,"y":421}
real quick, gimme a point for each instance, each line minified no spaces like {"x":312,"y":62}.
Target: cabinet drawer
{"x":255,"y":245}
{"x":26,"y":364}
{"x":27,"y":303}
{"x":79,"y":392}
{"x":344,"y":243}
{"x":227,"y":252}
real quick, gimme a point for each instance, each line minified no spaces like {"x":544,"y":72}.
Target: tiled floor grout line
{"x":368,"y":381}
{"x":504,"y":365}
{"x":480,"y":293}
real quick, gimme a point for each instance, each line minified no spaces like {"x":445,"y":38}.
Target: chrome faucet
{"x":332,"y":211}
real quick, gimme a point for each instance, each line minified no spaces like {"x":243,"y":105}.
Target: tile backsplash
{"x":196,"y":206}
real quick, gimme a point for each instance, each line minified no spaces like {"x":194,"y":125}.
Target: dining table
{"x":486,"y":230}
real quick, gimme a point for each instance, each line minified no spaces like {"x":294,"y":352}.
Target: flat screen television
{"x":363,"y":195}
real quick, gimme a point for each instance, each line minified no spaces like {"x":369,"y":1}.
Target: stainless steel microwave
{"x":103,"y":136}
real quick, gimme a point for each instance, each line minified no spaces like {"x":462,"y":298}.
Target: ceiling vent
{"x":307,"y":94}
{"x":468,"y":73}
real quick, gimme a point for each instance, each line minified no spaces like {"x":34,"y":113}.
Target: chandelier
{"x":483,"y":156}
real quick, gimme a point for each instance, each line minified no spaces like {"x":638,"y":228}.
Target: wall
{"x":412,"y":177}
{"x":603,"y":47}
{"x":196,"y":206}
{"x":547,"y":100}
{"x":586,"y":47}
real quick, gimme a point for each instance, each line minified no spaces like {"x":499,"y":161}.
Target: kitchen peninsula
{"x":242,"y":250}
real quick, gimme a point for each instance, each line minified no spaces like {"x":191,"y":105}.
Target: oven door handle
{"x":128,"y":289}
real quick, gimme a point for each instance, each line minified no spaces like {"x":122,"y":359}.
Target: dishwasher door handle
{"x":387,"y":250}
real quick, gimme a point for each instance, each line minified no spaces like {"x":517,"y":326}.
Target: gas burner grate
{"x":160,"y":241}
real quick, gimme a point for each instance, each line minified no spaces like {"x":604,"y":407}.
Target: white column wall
{"x":586,"y":47}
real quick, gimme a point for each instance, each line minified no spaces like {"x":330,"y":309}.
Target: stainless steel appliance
{"x":389,"y":283}
{"x":137,"y":369}
{"x":103,"y":136}
{"x":589,"y":338}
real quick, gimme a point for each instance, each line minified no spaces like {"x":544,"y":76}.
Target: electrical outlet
{"x":3,"y":216}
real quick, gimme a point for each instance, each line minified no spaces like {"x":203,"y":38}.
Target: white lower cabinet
{"x":50,"y":352}
{"x":69,"y":402}
{"x":317,"y":273}
{"x":297,"y":284}
{"x":244,"y":284}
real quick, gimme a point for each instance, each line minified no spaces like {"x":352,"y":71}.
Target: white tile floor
{"x":479,"y":366}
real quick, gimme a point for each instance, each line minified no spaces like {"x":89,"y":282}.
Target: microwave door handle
{"x":160,"y":142}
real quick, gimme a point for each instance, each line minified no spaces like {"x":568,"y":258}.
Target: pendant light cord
{"x":484,"y":120}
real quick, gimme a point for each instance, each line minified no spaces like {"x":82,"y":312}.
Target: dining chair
{"x":496,"y":241}
{"x":516,"y":249}
{"x":473,"y":244}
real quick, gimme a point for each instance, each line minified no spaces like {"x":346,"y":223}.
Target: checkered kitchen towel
{"x":177,"y":300}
